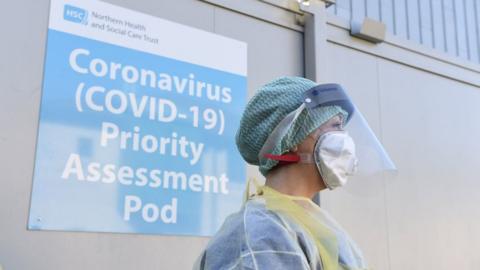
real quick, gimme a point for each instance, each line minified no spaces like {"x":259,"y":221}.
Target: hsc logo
{"x":74,"y":14}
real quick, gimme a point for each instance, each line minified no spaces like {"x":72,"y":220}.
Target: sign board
{"x":137,"y":124}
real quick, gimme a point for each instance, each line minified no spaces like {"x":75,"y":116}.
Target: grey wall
{"x":451,"y":26}
{"x":425,"y":217}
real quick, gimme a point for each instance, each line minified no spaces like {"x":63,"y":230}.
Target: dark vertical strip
{"x":432,"y":24}
{"x":477,"y":26}
{"x":469,"y":55}
{"x":335,"y":8}
{"x":407,"y":19}
{"x":420,"y":24}
{"x":444,"y":27}
{"x":380,"y":10}
{"x":455,"y":24}
{"x":365,"y":7}
{"x":394,"y":18}
{"x":351,"y":10}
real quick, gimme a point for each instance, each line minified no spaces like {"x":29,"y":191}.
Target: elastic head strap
{"x":284,"y":159}
{"x":279,"y":132}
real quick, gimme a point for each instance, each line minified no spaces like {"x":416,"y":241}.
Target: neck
{"x":296,"y":179}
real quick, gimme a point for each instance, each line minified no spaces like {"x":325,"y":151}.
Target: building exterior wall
{"x":450,"y":26}
{"x":422,"y":104}
{"x":425,"y":216}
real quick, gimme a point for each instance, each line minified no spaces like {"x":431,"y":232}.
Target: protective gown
{"x":277,"y":231}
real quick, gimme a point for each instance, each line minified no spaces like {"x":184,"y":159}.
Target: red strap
{"x":284,"y":159}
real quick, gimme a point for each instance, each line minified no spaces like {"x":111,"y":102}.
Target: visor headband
{"x":326,"y":95}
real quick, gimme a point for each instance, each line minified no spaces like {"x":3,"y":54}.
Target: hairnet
{"x":270,"y":104}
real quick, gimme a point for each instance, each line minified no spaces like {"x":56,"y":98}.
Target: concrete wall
{"x":423,"y":105}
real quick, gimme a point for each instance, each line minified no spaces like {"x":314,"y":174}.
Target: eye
{"x":338,"y":125}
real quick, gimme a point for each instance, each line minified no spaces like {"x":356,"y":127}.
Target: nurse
{"x":295,"y":131}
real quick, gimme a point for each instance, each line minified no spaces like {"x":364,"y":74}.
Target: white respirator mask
{"x":335,"y":158}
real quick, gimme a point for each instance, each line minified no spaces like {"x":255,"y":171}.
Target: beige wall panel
{"x":360,"y":205}
{"x":273,"y":51}
{"x":430,"y":125}
{"x":195,"y":13}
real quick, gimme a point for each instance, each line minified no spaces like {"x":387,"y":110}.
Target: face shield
{"x":372,"y":159}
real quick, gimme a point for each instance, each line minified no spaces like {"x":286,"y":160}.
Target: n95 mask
{"x":335,"y":158}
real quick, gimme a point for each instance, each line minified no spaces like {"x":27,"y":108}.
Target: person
{"x":301,"y":149}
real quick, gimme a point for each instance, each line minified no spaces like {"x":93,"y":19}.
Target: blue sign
{"x":132,"y":139}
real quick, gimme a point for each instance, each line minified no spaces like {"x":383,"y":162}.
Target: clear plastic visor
{"x":372,"y":156}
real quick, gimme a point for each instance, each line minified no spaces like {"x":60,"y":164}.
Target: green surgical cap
{"x":270,"y":104}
